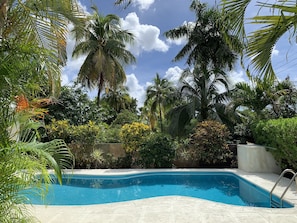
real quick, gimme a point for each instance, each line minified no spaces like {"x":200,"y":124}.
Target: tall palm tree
{"x":260,"y":43}
{"x":206,"y":42}
{"x":104,"y":43}
{"x":159,"y":96}
{"x":207,"y":51}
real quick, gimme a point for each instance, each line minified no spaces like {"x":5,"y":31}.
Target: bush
{"x":60,"y":129}
{"x":210,"y":142}
{"x":133,"y":135}
{"x":185,"y":155}
{"x":83,"y":141}
{"x":125,"y":117}
{"x":157,"y":151}
{"x":90,"y":133}
{"x":281,"y":135}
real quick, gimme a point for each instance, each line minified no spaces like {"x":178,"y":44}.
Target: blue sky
{"x":148,"y":20}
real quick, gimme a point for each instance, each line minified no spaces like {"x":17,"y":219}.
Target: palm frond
{"x":263,"y":40}
{"x":234,"y":11}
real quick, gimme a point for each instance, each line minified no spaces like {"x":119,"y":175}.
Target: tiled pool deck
{"x":174,"y":208}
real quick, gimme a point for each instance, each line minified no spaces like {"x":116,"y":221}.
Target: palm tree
{"x":159,"y":96}
{"x":104,"y":43}
{"x":119,"y":99}
{"x":260,"y":43}
{"x":208,"y":52}
{"x":124,"y":2}
{"x":279,"y":99}
{"x":206,"y":43}
{"x":254,"y":97}
{"x":205,"y":93}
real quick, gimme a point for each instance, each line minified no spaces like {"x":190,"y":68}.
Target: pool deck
{"x":174,"y":208}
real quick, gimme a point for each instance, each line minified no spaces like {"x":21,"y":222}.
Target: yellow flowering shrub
{"x":133,"y":135}
{"x":59,"y":129}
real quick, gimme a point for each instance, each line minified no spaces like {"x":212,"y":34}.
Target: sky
{"x":148,"y":20}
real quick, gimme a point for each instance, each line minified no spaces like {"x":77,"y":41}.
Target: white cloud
{"x":236,"y":77}
{"x":146,"y":36}
{"x":275,"y":52}
{"x":135,"y":89}
{"x":173,"y":74}
{"x":143,"y":4}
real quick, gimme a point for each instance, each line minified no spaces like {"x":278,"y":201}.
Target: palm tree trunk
{"x":160,"y":114}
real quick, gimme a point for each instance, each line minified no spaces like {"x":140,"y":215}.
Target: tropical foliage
{"x":264,"y":99}
{"x":210,"y":142}
{"x":119,"y":99}
{"x":103,"y":41}
{"x":32,"y":51}
{"x":206,"y":43}
{"x":279,"y":135}
{"x":157,"y":151}
{"x":133,"y":136}
{"x":260,"y":43}
{"x":208,"y":55}
{"x":159,"y":96}
{"x":75,"y":106}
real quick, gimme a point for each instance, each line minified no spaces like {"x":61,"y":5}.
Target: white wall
{"x":256,"y":159}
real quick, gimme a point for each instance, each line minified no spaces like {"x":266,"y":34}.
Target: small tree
{"x":210,"y":142}
{"x":158,"y":151}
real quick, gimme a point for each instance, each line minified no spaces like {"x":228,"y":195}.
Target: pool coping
{"x":91,"y":213}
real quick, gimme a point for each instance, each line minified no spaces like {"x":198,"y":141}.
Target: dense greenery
{"x":269,"y":29}
{"x":157,"y":151}
{"x":134,"y":135}
{"x":210,"y":142}
{"x":33,"y":51}
{"x":280,"y":136}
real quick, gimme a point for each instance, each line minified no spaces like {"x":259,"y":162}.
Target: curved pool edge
{"x":263,"y":180}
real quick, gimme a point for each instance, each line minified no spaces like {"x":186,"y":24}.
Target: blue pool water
{"x":226,"y":188}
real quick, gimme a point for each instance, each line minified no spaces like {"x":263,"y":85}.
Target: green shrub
{"x":210,"y":142}
{"x":60,"y":129}
{"x":281,"y":136}
{"x":125,"y":117}
{"x":112,"y":135}
{"x":133,"y":135}
{"x":157,"y":151}
{"x":185,"y":155}
{"x":90,"y":133}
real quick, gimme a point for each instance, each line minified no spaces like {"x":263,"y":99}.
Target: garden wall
{"x":116,"y":149}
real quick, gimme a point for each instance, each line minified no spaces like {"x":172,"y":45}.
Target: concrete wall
{"x":256,"y":159}
{"x":116,"y":149}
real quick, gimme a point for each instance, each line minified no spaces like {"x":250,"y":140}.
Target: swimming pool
{"x":221,"y":187}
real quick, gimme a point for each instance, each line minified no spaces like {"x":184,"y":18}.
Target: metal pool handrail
{"x":274,"y":203}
